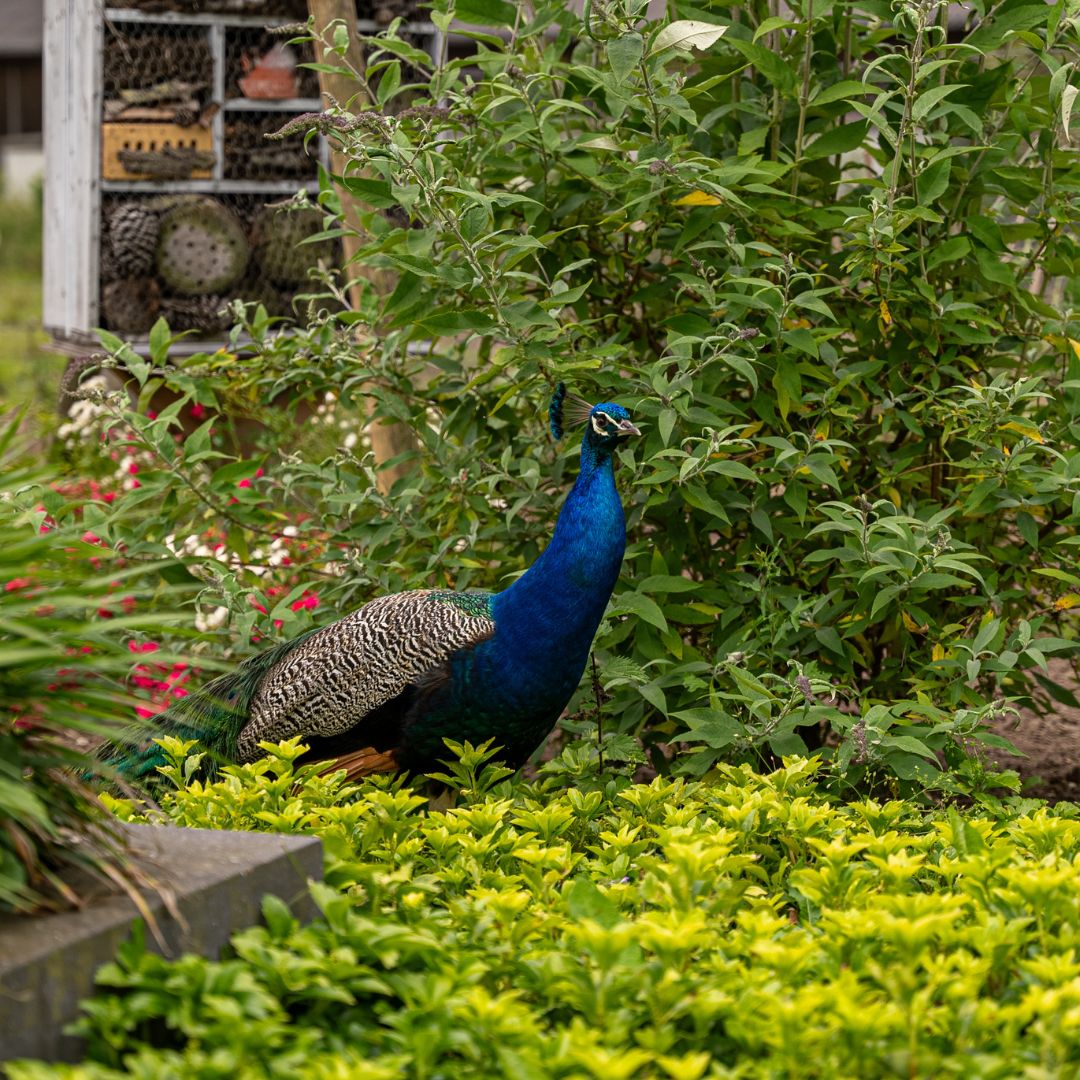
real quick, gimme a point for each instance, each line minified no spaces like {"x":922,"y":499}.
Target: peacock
{"x":380,"y":689}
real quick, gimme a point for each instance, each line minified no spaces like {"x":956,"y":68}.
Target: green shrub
{"x":750,"y":927}
{"x":823,"y":255}
{"x":72,"y":613}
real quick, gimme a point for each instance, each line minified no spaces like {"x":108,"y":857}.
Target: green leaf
{"x":772,"y":66}
{"x":485,"y":12}
{"x":624,"y":54}
{"x":160,"y":339}
{"x":956,"y":247}
{"x":839,"y":91}
{"x":735,"y":469}
{"x":966,"y":839}
{"x":934,"y":182}
{"x":927,"y":99}
{"x":687,"y":34}
{"x":713,"y":727}
{"x":1068,"y":99}
{"x":644,"y":607}
{"x":837,"y":140}
{"x":453,"y":322}
{"x":584,"y":900}
{"x":374,"y":193}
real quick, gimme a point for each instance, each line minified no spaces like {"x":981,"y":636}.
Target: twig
{"x":599,"y":722}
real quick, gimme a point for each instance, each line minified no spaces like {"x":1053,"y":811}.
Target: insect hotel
{"x":162,"y":194}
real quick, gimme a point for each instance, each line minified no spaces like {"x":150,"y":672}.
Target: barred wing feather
{"x":335,"y":677}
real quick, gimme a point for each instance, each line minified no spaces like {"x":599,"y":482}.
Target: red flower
{"x":17,"y":583}
{"x":91,"y":538}
{"x":197,"y":411}
{"x":308,"y":602}
{"x":146,"y":646}
{"x":245,"y":483}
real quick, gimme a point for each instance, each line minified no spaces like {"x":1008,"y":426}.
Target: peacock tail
{"x":214,"y":715}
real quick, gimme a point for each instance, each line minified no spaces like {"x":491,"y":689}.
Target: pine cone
{"x":133,"y":235}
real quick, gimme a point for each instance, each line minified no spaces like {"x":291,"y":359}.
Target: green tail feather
{"x":215,"y":714}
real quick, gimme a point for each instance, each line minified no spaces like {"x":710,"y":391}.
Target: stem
{"x":804,"y":94}
{"x":652,"y":100}
{"x":905,"y":122}
{"x":599,"y":720}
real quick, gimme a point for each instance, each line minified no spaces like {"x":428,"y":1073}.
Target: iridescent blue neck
{"x":552,"y":611}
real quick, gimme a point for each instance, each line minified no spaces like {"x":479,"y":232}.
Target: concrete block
{"x":218,"y":880}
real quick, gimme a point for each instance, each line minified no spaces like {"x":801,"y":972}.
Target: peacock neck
{"x":562,"y":597}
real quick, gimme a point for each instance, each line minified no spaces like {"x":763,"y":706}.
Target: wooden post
{"x":388,"y":440}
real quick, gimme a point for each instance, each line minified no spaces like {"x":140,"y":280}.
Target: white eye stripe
{"x":600,"y":423}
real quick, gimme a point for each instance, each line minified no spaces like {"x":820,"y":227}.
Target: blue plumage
{"x":514,"y":686}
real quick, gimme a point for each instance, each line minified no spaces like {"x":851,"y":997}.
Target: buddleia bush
{"x":747,"y":927}
{"x":825,"y":256}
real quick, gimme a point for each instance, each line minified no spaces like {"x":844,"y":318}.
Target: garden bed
{"x":212,"y":884}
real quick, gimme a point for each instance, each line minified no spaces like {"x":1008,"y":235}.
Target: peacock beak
{"x":626,"y":428}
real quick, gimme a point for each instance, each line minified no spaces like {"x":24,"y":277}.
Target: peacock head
{"x":606,"y":425}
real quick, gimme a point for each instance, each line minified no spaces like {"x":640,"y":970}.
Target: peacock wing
{"x":335,"y":677}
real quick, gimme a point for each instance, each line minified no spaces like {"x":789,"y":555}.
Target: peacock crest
{"x":566,"y":410}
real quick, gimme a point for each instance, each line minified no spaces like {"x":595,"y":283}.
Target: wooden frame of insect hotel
{"x":162,"y":195}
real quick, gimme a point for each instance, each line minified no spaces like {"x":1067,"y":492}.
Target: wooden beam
{"x":388,"y":440}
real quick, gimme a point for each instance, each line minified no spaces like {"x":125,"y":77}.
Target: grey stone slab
{"x":217,"y":879}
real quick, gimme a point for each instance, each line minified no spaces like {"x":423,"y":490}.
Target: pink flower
{"x":109,"y":496}
{"x":259,"y":472}
{"x":245,"y":483}
{"x":17,"y":583}
{"x":152,"y":708}
{"x":151,"y":414}
{"x":133,"y":468}
{"x":197,"y":411}
{"x":256,"y":605}
{"x":146,"y":646}
{"x":91,"y":538}
{"x":306,"y":603}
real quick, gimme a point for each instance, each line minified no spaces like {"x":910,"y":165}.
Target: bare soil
{"x":1050,"y":744}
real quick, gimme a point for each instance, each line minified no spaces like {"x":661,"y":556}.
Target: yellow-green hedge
{"x":743,"y":927}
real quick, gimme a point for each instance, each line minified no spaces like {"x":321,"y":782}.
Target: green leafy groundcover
{"x":745,"y":927}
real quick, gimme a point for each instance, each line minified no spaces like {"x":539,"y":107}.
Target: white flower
{"x":211,"y":620}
